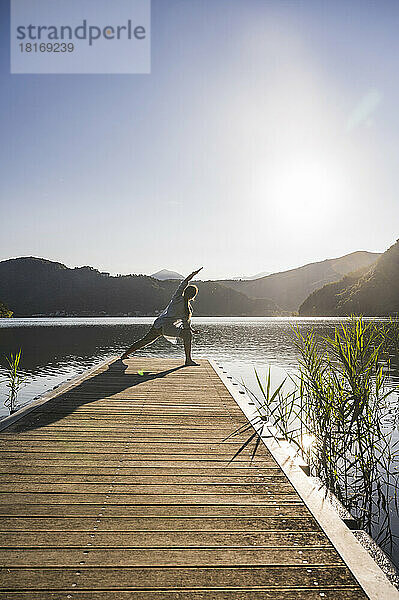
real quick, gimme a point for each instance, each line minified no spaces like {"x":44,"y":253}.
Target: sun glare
{"x":306,"y":191}
{"x":307,"y":441}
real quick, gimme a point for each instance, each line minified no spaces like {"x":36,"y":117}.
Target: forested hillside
{"x":35,"y":286}
{"x":373,"y":291}
{"x":289,"y":289}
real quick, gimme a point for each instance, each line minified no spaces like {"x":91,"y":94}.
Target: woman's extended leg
{"x":151,"y":336}
{"x":187,"y":337}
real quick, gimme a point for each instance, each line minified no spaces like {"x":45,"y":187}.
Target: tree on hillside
{"x":5,"y":312}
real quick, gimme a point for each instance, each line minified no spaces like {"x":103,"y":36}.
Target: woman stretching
{"x":174,"y":321}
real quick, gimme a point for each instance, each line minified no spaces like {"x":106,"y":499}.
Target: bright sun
{"x":306,"y":191}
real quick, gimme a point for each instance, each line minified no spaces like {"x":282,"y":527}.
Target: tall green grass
{"x":336,"y":414}
{"x":14,"y":380}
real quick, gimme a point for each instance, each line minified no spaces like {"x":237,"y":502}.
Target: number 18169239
{"x":47,"y":47}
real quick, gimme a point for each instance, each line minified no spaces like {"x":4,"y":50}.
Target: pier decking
{"x":121,"y":488}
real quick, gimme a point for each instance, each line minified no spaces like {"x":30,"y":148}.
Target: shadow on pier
{"x":113,"y":380}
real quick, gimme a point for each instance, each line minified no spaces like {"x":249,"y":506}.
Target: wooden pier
{"x":121,"y":488}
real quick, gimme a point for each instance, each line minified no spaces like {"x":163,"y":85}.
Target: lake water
{"x":57,"y":349}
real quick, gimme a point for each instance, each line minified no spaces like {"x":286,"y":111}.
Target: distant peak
{"x":166,"y":274}
{"x":251,"y":277}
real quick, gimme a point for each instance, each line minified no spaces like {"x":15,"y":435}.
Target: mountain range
{"x":361,"y":281}
{"x":250,"y":277}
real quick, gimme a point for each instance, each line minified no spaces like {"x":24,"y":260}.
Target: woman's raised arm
{"x":193,"y":274}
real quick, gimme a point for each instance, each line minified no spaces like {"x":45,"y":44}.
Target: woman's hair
{"x":190,"y":292}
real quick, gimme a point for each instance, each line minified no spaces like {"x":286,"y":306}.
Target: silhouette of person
{"x":174,"y":321}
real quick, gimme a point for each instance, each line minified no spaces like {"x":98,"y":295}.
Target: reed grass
{"x":14,"y":380}
{"x":336,"y":416}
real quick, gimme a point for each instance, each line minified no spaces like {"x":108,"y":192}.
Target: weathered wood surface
{"x":121,"y":488}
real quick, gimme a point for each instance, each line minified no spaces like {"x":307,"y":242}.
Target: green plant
{"x":14,"y":380}
{"x":341,"y":401}
{"x":256,"y":426}
{"x":335,"y":415}
{"x":5,"y":312}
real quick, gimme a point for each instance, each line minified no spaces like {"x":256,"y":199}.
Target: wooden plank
{"x":147,"y":556}
{"x":132,"y":499}
{"x":36,"y":535}
{"x":145,"y":479}
{"x":151,"y":488}
{"x":187,"y":510}
{"x":346,"y":593}
{"x":223,"y":472}
{"x":274,"y":577}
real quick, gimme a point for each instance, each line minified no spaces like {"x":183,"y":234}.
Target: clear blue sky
{"x":265,"y":137}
